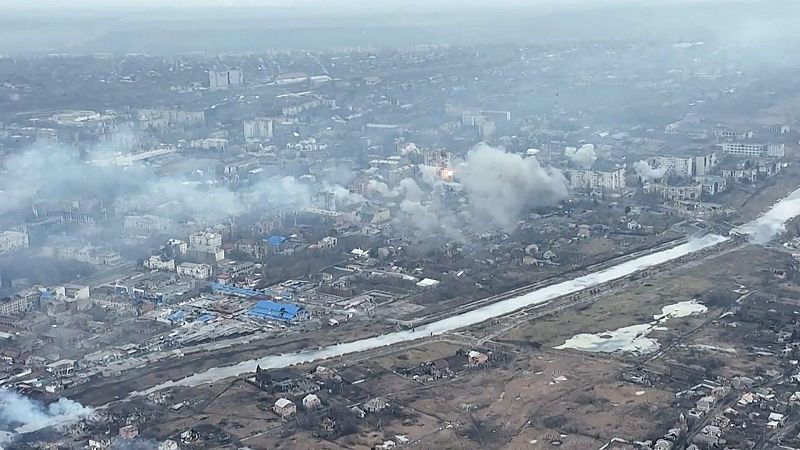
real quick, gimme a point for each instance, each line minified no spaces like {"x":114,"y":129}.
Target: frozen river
{"x":767,"y":226}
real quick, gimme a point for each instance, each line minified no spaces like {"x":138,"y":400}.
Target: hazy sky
{"x":106,"y":4}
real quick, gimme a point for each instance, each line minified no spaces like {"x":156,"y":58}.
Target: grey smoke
{"x":57,"y":172}
{"x":25,"y":415}
{"x":647,"y":173}
{"x":583,"y":157}
{"x":500,"y":185}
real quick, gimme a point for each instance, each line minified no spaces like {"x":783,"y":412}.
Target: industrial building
{"x":285,"y":312}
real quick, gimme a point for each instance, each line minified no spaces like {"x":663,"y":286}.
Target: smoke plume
{"x":582,"y":157}
{"x":500,"y":185}
{"x":647,"y":173}
{"x":25,"y":415}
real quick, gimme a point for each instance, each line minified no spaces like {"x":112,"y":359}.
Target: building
{"x":676,"y":192}
{"x":218,"y":144}
{"x":225,"y":78}
{"x":203,"y":254}
{"x":16,"y":305}
{"x":673,"y":165}
{"x":205,"y":238}
{"x":311,"y":402}
{"x":129,"y":432}
{"x":159,"y":263}
{"x":609,"y":180}
{"x":284,"y":408}
{"x":258,"y":129}
{"x":285,"y":312}
{"x":62,"y":368}
{"x":477,"y":358}
{"x":198,"y":271}
{"x":12,"y":240}
{"x":145,"y":223}
{"x":753,"y":149}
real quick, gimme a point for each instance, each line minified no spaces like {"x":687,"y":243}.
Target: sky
{"x":107,"y":4}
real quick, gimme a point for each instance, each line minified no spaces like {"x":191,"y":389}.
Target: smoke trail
{"x":25,"y":415}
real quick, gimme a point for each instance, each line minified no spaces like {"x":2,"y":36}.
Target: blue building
{"x":285,"y":312}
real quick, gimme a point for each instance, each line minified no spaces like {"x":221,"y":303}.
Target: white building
{"x":257,"y":129}
{"x":284,"y":408}
{"x":311,"y":402}
{"x":685,"y":166}
{"x":683,"y":192}
{"x":159,"y":263}
{"x":673,"y":165}
{"x":12,"y":240}
{"x":748,"y":149}
{"x":205,"y":239}
{"x":610,"y":180}
{"x":198,"y":271}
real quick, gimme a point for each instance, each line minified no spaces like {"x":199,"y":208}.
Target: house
{"x":284,"y":408}
{"x":311,"y":402}
{"x":374,"y":405}
{"x":324,"y":373}
{"x":99,"y":444}
{"x":477,"y":358}
{"x":775,"y":420}
{"x":129,"y":432}
{"x":706,"y":403}
{"x":358,"y":412}
{"x":168,"y":445}
{"x":386,"y":445}
{"x":440,"y":368}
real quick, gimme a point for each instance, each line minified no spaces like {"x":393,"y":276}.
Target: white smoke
{"x":342,"y":195}
{"x":500,"y":185}
{"x":409,"y":189}
{"x":647,"y":173}
{"x":582,"y":157}
{"x":381,"y":188}
{"x":430,"y":175}
{"x":25,"y":415}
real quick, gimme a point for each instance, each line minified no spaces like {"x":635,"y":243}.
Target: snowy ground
{"x":633,"y":339}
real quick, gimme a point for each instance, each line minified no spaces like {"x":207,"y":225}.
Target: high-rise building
{"x":225,"y":78}
{"x":257,"y":129}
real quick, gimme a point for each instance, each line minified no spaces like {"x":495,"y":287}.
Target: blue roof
{"x":267,"y":309}
{"x":205,"y":318}
{"x":177,"y":316}
{"x":276,"y":241}
{"x":237,"y":291}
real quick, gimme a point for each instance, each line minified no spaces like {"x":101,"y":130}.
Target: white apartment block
{"x":753,"y":150}
{"x":673,"y":165}
{"x":610,"y":180}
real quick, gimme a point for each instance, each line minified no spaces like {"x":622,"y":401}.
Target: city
{"x":585,"y":243}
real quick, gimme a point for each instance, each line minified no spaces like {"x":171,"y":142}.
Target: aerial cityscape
{"x":444,"y":225}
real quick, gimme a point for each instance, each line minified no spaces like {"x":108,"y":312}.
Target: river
{"x":765,"y":227}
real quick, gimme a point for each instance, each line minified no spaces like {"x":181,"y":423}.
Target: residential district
{"x":165,"y":218}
